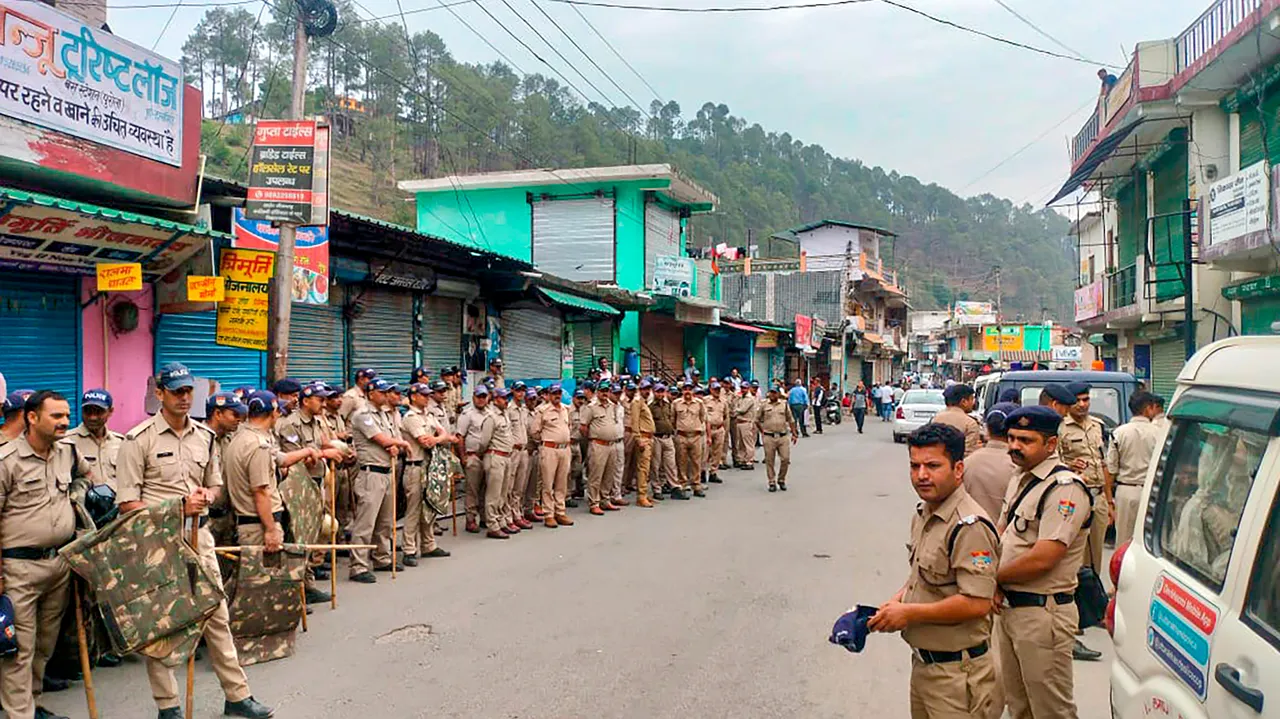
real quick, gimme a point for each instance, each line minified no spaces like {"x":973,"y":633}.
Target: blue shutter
{"x":382,"y":332}
{"x":189,"y":338}
{"x":40,"y":334}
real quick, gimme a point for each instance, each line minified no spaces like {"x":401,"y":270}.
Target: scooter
{"x":832,"y":412}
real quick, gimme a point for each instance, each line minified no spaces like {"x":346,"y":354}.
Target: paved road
{"x":705,"y":608}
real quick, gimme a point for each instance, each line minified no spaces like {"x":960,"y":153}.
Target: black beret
{"x":1060,"y":393}
{"x":1035,"y":419}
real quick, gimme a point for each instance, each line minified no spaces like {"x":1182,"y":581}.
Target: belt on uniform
{"x":646,"y":435}
{"x":217,"y":512}
{"x":243,"y":519}
{"x":414,"y":462}
{"x":498,"y":452}
{"x":29,"y":553}
{"x":661,"y":436}
{"x":517,"y":447}
{"x":690,"y":434}
{"x":1128,"y":484}
{"x":375,"y":468}
{"x":1031,"y":599}
{"x":931,"y":657}
{"x":555,"y":445}
{"x":775,"y":434}
{"x":605,"y":442}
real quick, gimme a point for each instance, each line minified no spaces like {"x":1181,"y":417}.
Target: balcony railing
{"x":1085,"y":137}
{"x":1122,"y":287}
{"x":1211,"y":27}
{"x":1106,"y":110}
{"x":874,"y":266}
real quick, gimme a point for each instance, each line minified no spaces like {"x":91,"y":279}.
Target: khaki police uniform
{"x":691,"y":439}
{"x":1038,"y":630}
{"x":745,"y":412}
{"x":553,"y":425}
{"x":778,"y":425}
{"x":954,"y":550}
{"x":613,"y":488}
{"x":605,"y":433}
{"x":497,"y":469}
{"x":642,"y":428}
{"x":958,"y":418}
{"x":36,"y":519}
{"x":157,"y":463}
{"x":419,"y":520}
{"x":533,"y":448}
{"x":628,"y":444}
{"x":248,"y":463}
{"x":99,"y":453}
{"x":577,"y":467}
{"x":476,"y":427}
{"x":987,"y":474}
{"x":1133,"y":447}
{"x":303,"y":430}
{"x":517,"y":480}
{"x":717,"y":423}
{"x":1083,"y":440}
{"x":373,"y":520}
{"x":663,"y":472}
{"x":352,"y":400}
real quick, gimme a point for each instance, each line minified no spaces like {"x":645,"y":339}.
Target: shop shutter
{"x":760,"y":365}
{"x":1170,"y":196}
{"x":574,"y":239}
{"x":531,"y":344}
{"x":381,"y":329}
{"x":591,"y":341}
{"x":661,"y":237}
{"x":1251,"y":145}
{"x":316,"y":343}
{"x":1257,"y":315}
{"x":40,"y":334}
{"x":1167,"y":359}
{"x":1131,"y":220}
{"x":441,"y":332}
{"x":662,"y":343}
{"x":189,"y":338}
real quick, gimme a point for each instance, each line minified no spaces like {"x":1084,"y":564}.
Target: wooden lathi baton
{"x":85,"y":667}
{"x":332,"y":481}
{"x":395,"y":489}
{"x":191,"y":660}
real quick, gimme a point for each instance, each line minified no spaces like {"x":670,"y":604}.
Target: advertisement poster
{"x":64,"y":75}
{"x":281,"y":171}
{"x":975,"y":313}
{"x":51,"y":239}
{"x":310,"y":254}
{"x":673,"y":276}
{"x":1089,"y":301}
{"x":804,"y":331}
{"x":243,"y":314}
{"x":1002,"y":339}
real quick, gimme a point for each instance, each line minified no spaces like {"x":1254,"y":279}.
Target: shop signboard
{"x":1088,"y":300}
{"x":673,"y":276}
{"x":282,"y":172}
{"x":243,"y":314}
{"x":1002,"y":339}
{"x":206,"y":289}
{"x":119,"y":277}
{"x":818,"y":333}
{"x":1067,"y":353}
{"x":804,"y":332}
{"x":310,"y":254}
{"x":53,"y":239}
{"x":975,"y":313}
{"x":1239,"y":204}
{"x":61,"y":74}
{"x":767,"y":340}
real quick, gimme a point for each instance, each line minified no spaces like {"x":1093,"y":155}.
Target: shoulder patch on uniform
{"x":980,"y":559}
{"x":1066,"y":508}
{"x":203,"y":426}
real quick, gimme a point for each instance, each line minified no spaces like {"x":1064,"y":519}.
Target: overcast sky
{"x":866,"y":81}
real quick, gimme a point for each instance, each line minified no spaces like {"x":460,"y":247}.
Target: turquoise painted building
{"x":623,"y":226}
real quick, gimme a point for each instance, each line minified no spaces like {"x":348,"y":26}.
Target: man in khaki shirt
{"x":355,"y":398}
{"x":717,"y":427}
{"x":517,"y":481}
{"x":1042,"y":546}
{"x":424,"y":428}
{"x":691,"y":438}
{"x":745,"y":411}
{"x":497,"y":466}
{"x":663,"y":474}
{"x":960,"y":400}
{"x":377,"y":445}
{"x":250,"y":472}
{"x":944,"y":609}
{"x":1133,"y":448}
{"x":988,"y":472}
{"x":577,"y":449}
{"x":777,"y":424}
{"x":1080,"y":446}
{"x":475,"y":424}
{"x":554,"y":428}
{"x":171,"y":456}
{"x":601,"y":427}
{"x":642,"y":429}
{"x":14,"y":425}
{"x":38,"y":476}
{"x":97,"y":445}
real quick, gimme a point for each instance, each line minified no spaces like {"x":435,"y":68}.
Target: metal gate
{"x":661,"y":237}
{"x":591,"y":342}
{"x":316,"y":343}
{"x":381,"y":331}
{"x":1167,"y":359}
{"x":189,"y":338}
{"x":441,"y":332}
{"x":40,"y":334}
{"x":531,"y":344}
{"x":574,"y":239}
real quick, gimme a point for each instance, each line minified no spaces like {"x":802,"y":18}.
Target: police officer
{"x":960,"y":399}
{"x":171,"y":456}
{"x":613,"y":488}
{"x":286,"y":391}
{"x":14,"y":424}
{"x":425,"y":427}
{"x":717,"y":430}
{"x":944,"y":609}
{"x":988,"y":471}
{"x":97,"y":444}
{"x":601,"y":426}
{"x":577,"y":452}
{"x":534,"y":512}
{"x":517,"y":482}
{"x":1042,"y":546}
{"x":1132,"y":449}
{"x":475,"y":424}
{"x":38,"y":476}
{"x":664,"y":476}
{"x":745,"y":412}
{"x":377,"y":445}
{"x":496,"y":379}
{"x":642,"y":427}
{"x":249,"y":468}
{"x":355,"y":397}
{"x":553,"y":426}
{"x":1081,"y":448}
{"x":775,"y":421}
{"x":690,"y":416}
{"x":497,"y":468}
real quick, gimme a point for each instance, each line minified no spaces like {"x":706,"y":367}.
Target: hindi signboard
{"x":310,"y":254}
{"x":1088,"y":300}
{"x":51,"y":239}
{"x":817,"y":333}
{"x":1239,"y":204}
{"x":59,"y":73}
{"x":243,"y":313}
{"x":975,"y":313}
{"x":281,"y":173}
{"x":673,"y":276}
{"x":206,"y":289}
{"x":119,"y":277}
{"x":1003,"y":339}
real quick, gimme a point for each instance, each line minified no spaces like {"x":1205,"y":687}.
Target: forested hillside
{"x":421,"y":113}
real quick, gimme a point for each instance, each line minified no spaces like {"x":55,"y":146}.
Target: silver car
{"x":916,"y":410}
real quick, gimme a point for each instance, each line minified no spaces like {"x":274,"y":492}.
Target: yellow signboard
{"x":244,"y":311}
{"x":206,"y":289}
{"x":119,"y":276}
{"x":1002,"y":339}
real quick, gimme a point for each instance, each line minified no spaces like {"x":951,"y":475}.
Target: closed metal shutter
{"x":189,"y":338}
{"x":1167,"y":236}
{"x":316,"y":343}
{"x":1251,"y":149}
{"x":1131,"y":220}
{"x":574,"y":239}
{"x":591,"y":341}
{"x":382,"y":332}
{"x":40,"y":334}
{"x":661,"y":237}
{"x":531,"y":344}
{"x":662,"y":340}
{"x":760,"y":365}
{"x":1167,"y":359}
{"x":441,"y":333}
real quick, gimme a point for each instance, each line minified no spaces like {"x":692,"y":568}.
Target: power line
{"x":720,"y":9}
{"x":1042,"y":33}
{"x":478,"y":34}
{"x":165,"y":29}
{"x":1027,"y":146}
{"x":587,"y":55}
{"x":608,"y":44}
{"x":531,"y":51}
{"x":560,"y":55}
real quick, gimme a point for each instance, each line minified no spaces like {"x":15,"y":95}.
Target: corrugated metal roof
{"x":85,"y":208}
{"x":582,"y":303}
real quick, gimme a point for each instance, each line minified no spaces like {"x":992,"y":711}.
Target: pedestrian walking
{"x":859,"y":404}
{"x":777,"y":424}
{"x":798,"y":401}
{"x":817,"y":398}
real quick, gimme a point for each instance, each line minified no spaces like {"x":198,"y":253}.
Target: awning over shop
{"x":1025,"y":356}
{"x":1096,"y":157}
{"x":574,"y":302}
{"x":744,"y":328}
{"x":42,"y":232}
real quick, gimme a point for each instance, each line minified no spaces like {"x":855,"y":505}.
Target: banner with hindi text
{"x":244,"y":312}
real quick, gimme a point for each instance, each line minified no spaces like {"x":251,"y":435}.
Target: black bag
{"x":1091,"y":598}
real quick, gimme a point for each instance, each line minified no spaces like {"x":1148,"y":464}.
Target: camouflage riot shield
{"x":304,"y":506}
{"x":266,"y":602}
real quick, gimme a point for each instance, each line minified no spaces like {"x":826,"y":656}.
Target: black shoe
{"x":782,"y":486}
{"x":1081,"y":653}
{"x":170,"y":713}
{"x":317,"y":596}
{"x":387,"y":568}
{"x":699,"y":493}
{"x":54,"y":684}
{"x":247,"y":707}
{"x":715,"y":480}
{"x":365,"y":578}
{"x":677,"y":493}
{"x":438,"y":530}
{"x":724,"y":466}
{"x":109,"y":660}
{"x":658,"y":496}
{"x":437,"y":552}
{"x":320,"y":572}
{"x":773,"y":488}
{"x":410,"y":560}
{"x":571,"y":503}
{"x":42,"y":713}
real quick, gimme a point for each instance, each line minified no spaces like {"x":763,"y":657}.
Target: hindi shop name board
{"x":282,"y":174}
{"x":51,"y":239}
{"x":59,"y":73}
{"x":244,"y":311}
{"x":673,"y":276}
{"x":119,"y":277}
{"x":1239,"y":205}
{"x":310,"y":283}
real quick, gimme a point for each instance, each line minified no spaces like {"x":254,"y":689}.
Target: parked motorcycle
{"x":832,"y":412}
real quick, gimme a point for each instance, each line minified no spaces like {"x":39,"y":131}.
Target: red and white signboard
{"x":282,"y":181}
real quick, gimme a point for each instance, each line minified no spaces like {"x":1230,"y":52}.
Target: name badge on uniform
{"x":162,"y":455}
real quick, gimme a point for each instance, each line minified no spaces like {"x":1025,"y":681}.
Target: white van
{"x":1197,"y":612}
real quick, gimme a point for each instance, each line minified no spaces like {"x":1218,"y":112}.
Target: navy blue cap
{"x":1034,"y":418}
{"x":175,"y":375}
{"x":438,"y":386}
{"x":715,"y":384}
{"x":262,"y":402}
{"x":686,"y":385}
{"x":419,"y":373}
{"x":555,"y":388}
{"x":288,"y":385}
{"x":1079,"y":388}
{"x":14,"y":400}
{"x":659,"y":387}
{"x":957,"y":392}
{"x":997,"y":418}
{"x":631,"y":385}
{"x":97,"y":398}
{"x":224,"y":400}
{"x":1060,"y":393}
{"x":8,"y":633}
{"x":314,"y":389}
{"x":243,"y":391}
{"x":580,"y":393}
{"x":367,"y":372}
{"x":335,"y":389}
{"x":755,"y":383}
{"x":519,"y":386}
{"x":645,"y":384}
{"x":393,"y":388}
{"x":481,"y":390}
{"x":589,"y":385}
{"x":504,"y":393}
{"x":1010,"y":395}
{"x":850,"y":630}
{"x":420,"y":388}
{"x":377,"y":384}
